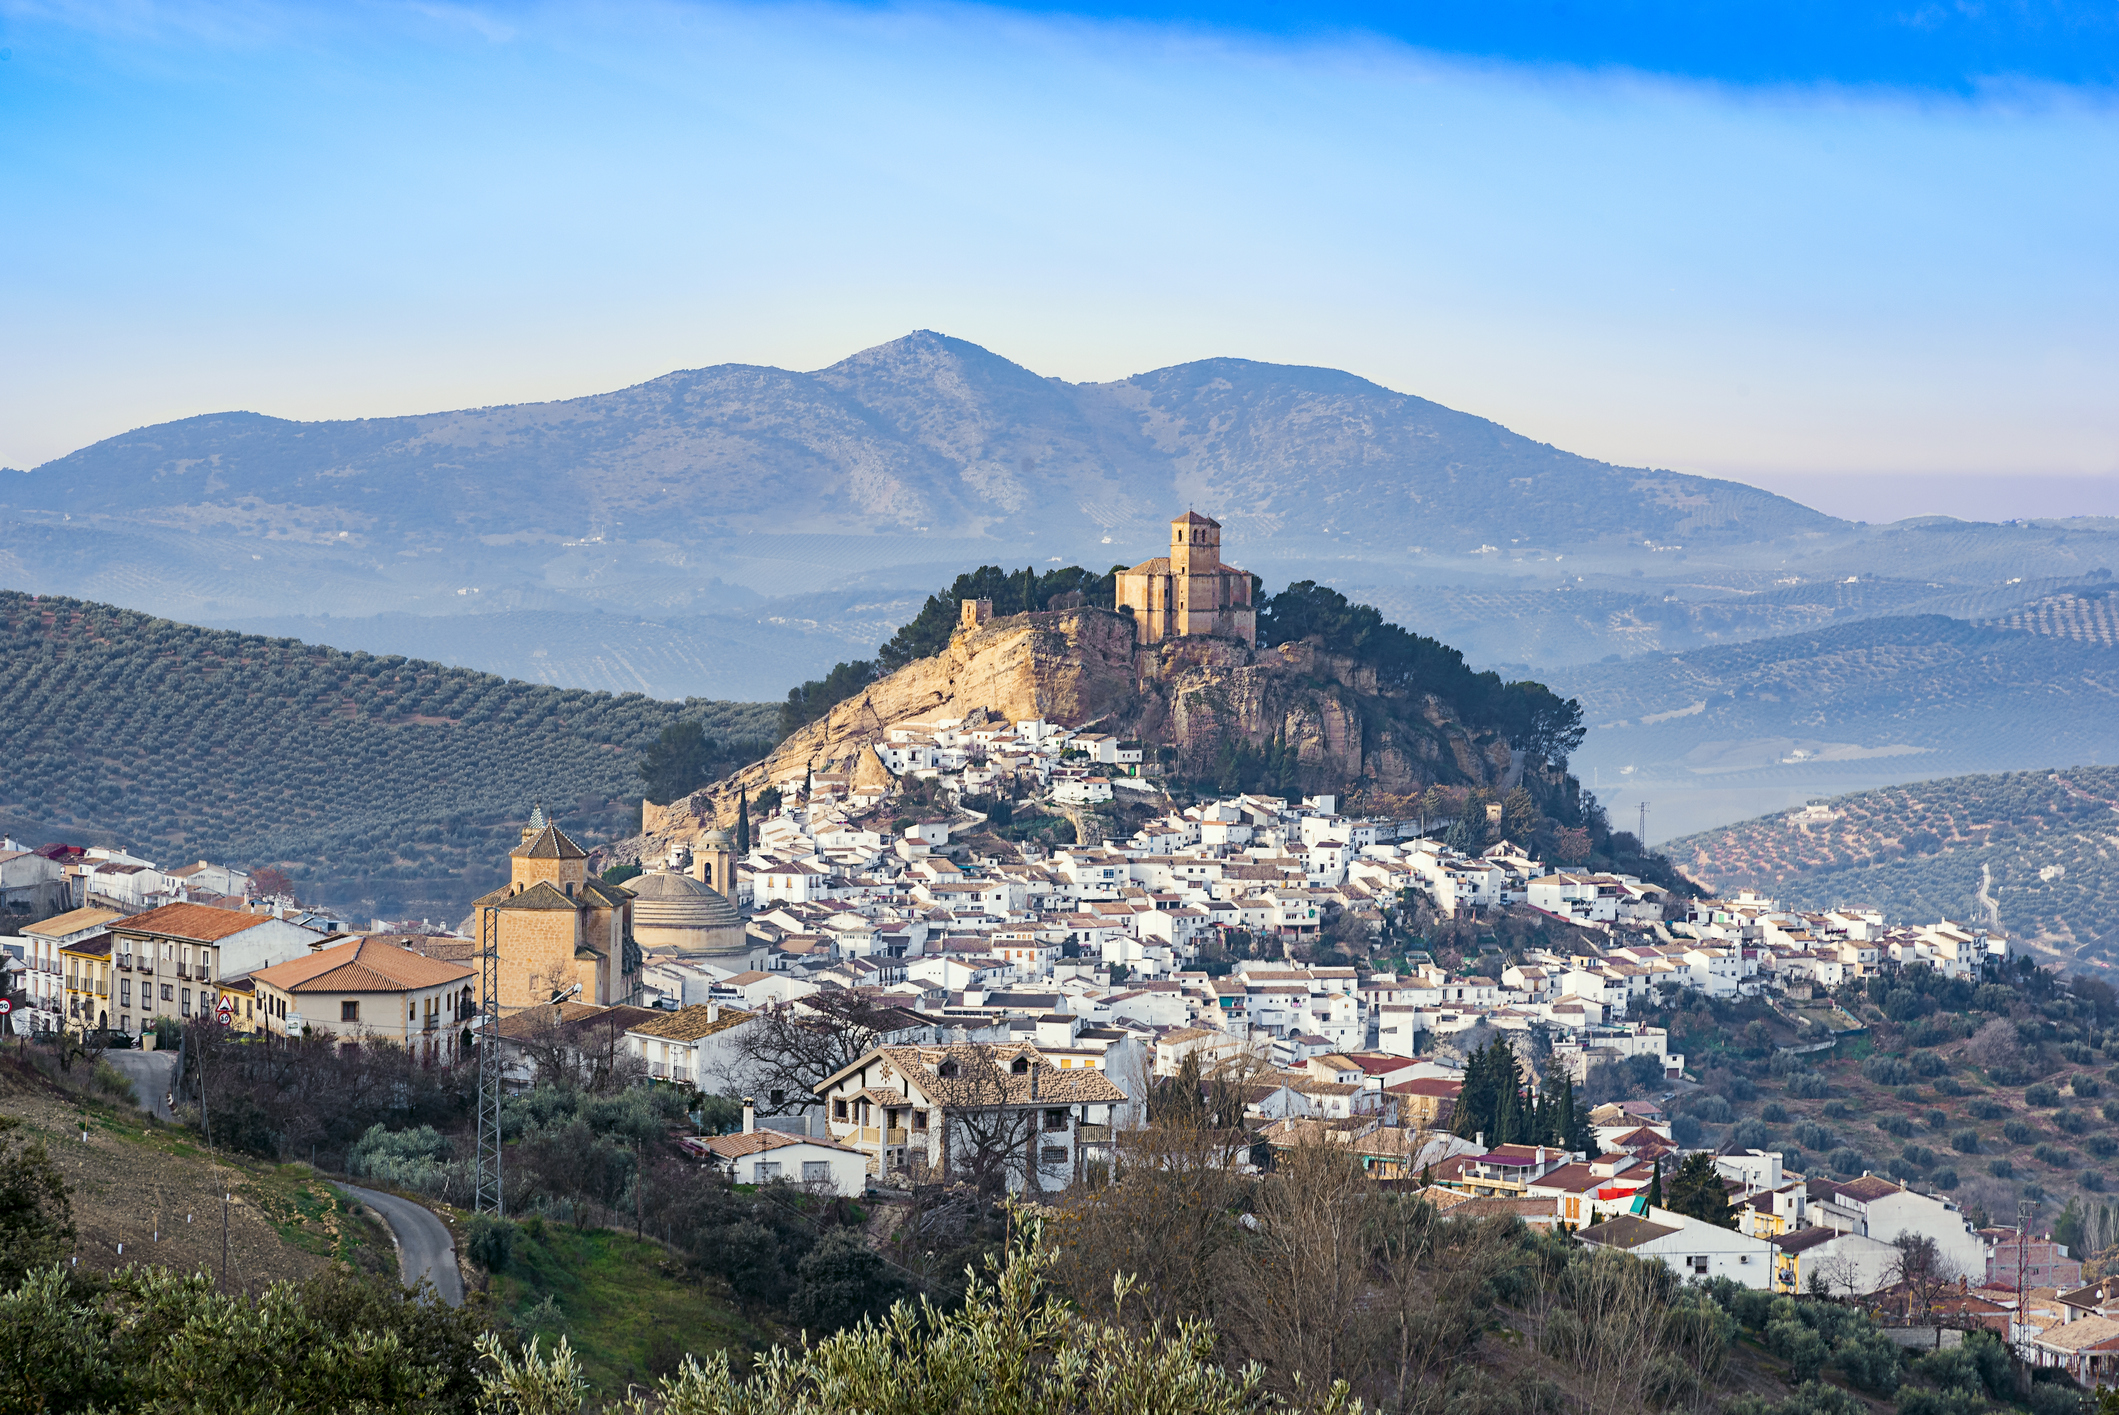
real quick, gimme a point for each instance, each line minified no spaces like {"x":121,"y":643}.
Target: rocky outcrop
{"x":1193,"y":697}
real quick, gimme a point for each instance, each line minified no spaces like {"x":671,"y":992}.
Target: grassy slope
{"x":628,"y":1308}
{"x":2045,"y":843}
{"x":389,"y":785}
{"x":134,"y":1178}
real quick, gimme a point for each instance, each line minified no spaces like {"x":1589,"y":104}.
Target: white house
{"x":1695,"y":1249}
{"x":757,"y":1156}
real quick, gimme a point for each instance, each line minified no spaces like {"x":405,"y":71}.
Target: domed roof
{"x":718,"y":837}
{"x":663,"y":899}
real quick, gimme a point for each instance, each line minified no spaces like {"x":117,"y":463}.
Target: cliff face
{"x":1080,"y":668}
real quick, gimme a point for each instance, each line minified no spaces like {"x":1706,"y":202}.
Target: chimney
{"x":1479,"y":1141}
{"x":1541,"y":1157}
{"x":713,"y":1011}
{"x":750,"y":1116}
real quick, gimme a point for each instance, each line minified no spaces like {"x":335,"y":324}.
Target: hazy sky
{"x":1804,"y":246}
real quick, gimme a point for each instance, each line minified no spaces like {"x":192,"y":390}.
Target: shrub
{"x":114,"y":1083}
{"x":1750,"y":1133}
{"x":1813,"y":1136}
{"x":1846,"y":1160}
{"x":1986,"y":1108}
{"x":1934,"y":1120}
{"x":2086,"y":1086}
{"x":2111,"y":1111}
{"x":1927,"y":1063}
{"x":1808,"y":1086}
{"x":2053,"y":1155}
{"x":1945,"y":1178}
{"x":490,"y":1242}
{"x":2000,"y":1168}
{"x":2102,"y":1146}
{"x":2019,"y":1132}
{"x":2041,"y":1095}
{"x":1948,"y":1086}
{"x":1887,"y":1071}
{"x":1965,"y":1142}
{"x":2074,"y":1122}
{"x":1774,"y":1113}
{"x":2077,"y":1052}
{"x":1898,"y":1125}
{"x":1685,"y":1129}
{"x":1712,"y":1109}
{"x":2092,"y":1181}
{"x":1838,"y":1110}
{"x":1920,"y":1156}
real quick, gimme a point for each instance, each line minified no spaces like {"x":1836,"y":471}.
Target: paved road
{"x":150,"y":1073}
{"x":424,"y":1248}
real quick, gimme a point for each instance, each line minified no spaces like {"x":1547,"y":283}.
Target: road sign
{"x":6,"y":1006}
{"x":226,"y":1014}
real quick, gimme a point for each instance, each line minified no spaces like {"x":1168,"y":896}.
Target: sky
{"x":1864,"y":254}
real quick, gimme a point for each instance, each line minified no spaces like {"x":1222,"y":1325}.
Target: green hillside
{"x":381,"y":784}
{"x":2042,"y":846}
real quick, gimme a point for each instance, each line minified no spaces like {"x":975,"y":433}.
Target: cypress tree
{"x":1655,"y":1185}
{"x":743,"y":822}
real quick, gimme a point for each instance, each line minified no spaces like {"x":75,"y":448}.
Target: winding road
{"x":151,"y":1072}
{"x":424,"y":1248}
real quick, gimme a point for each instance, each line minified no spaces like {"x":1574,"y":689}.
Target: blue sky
{"x":1862,"y":254}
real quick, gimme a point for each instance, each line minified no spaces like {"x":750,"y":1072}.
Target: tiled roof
{"x":689,"y":1024}
{"x":71,"y":923}
{"x":1625,"y":1231}
{"x":364,"y":965}
{"x":194,"y":923}
{"x":730,"y":1147}
{"x":551,"y":843}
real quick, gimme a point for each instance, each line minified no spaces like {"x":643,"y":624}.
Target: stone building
{"x":558,"y":927}
{"x":692,"y":916}
{"x":1189,"y":592}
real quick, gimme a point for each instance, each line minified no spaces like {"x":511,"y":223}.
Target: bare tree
{"x":787,"y":1052}
{"x":988,"y":1098}
{"x":1919,"y":1267}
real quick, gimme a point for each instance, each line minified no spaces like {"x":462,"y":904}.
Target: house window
{"x":185,"y":1006}
{"x":779,"y":1099}
{"x":767,"y":1171}
{"x":169,"y":992}
{"x":816,"y":1171}
{"x":125,"y":992}
{"x":919,"y":1122}
{"x":349,"y":1012}
{"x":1052,"y":1155}
{"x":1698,"y":1264}
{"x":838,"y":1110}
{"x":1055,"y":1120}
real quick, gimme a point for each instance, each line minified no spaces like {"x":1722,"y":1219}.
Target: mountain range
{"x":727,"y":532}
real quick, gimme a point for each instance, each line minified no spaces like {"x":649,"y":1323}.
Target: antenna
{"x":1643,"y":836}
{"x":486,"y":1190}
{"x":2023,"y":1211}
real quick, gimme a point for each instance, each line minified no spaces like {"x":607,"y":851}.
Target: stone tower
{"x":714,"y":863}
{"x":1189,"y":593}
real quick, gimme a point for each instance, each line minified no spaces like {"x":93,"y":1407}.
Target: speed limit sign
{"x":6,"y":1006}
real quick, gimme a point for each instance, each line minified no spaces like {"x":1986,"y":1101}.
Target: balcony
{"x":895,"y":1137}
{"x":184,"y":971}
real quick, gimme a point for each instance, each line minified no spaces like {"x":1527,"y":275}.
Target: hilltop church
{"x":558,"y":928}
{"x":1189,"y":592}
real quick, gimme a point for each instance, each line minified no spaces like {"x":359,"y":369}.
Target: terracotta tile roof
{"x":194,"y":923}
{"x":71,"y":923}
{"x":730,"y":1147}
{"x":1054,"y":1086}
{"x":689,"y":1024}
{"x":541,"y":895}
{"x":364,"y":965}
{"x":551,"y":843}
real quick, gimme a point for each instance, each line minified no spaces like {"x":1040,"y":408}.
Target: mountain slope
{"x":2036,"y":850}
{"x":384,"y":784}
{"x":927,"y":436}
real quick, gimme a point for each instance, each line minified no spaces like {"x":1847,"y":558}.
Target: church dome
{"x":717,"y":838}
{"x":678,"y":914}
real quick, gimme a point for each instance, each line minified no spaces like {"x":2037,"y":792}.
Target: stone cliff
{"x":1184,"y":700}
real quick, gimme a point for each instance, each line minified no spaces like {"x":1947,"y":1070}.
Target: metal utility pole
{"x":486,"y":1196}
{"x":1643,"y":836}
{"x":2023,"y":1212}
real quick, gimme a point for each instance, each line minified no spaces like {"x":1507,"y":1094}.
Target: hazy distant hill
{"x":2036,"y":850}
{"x":925,"y":435}
{"x":382,"y":784}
